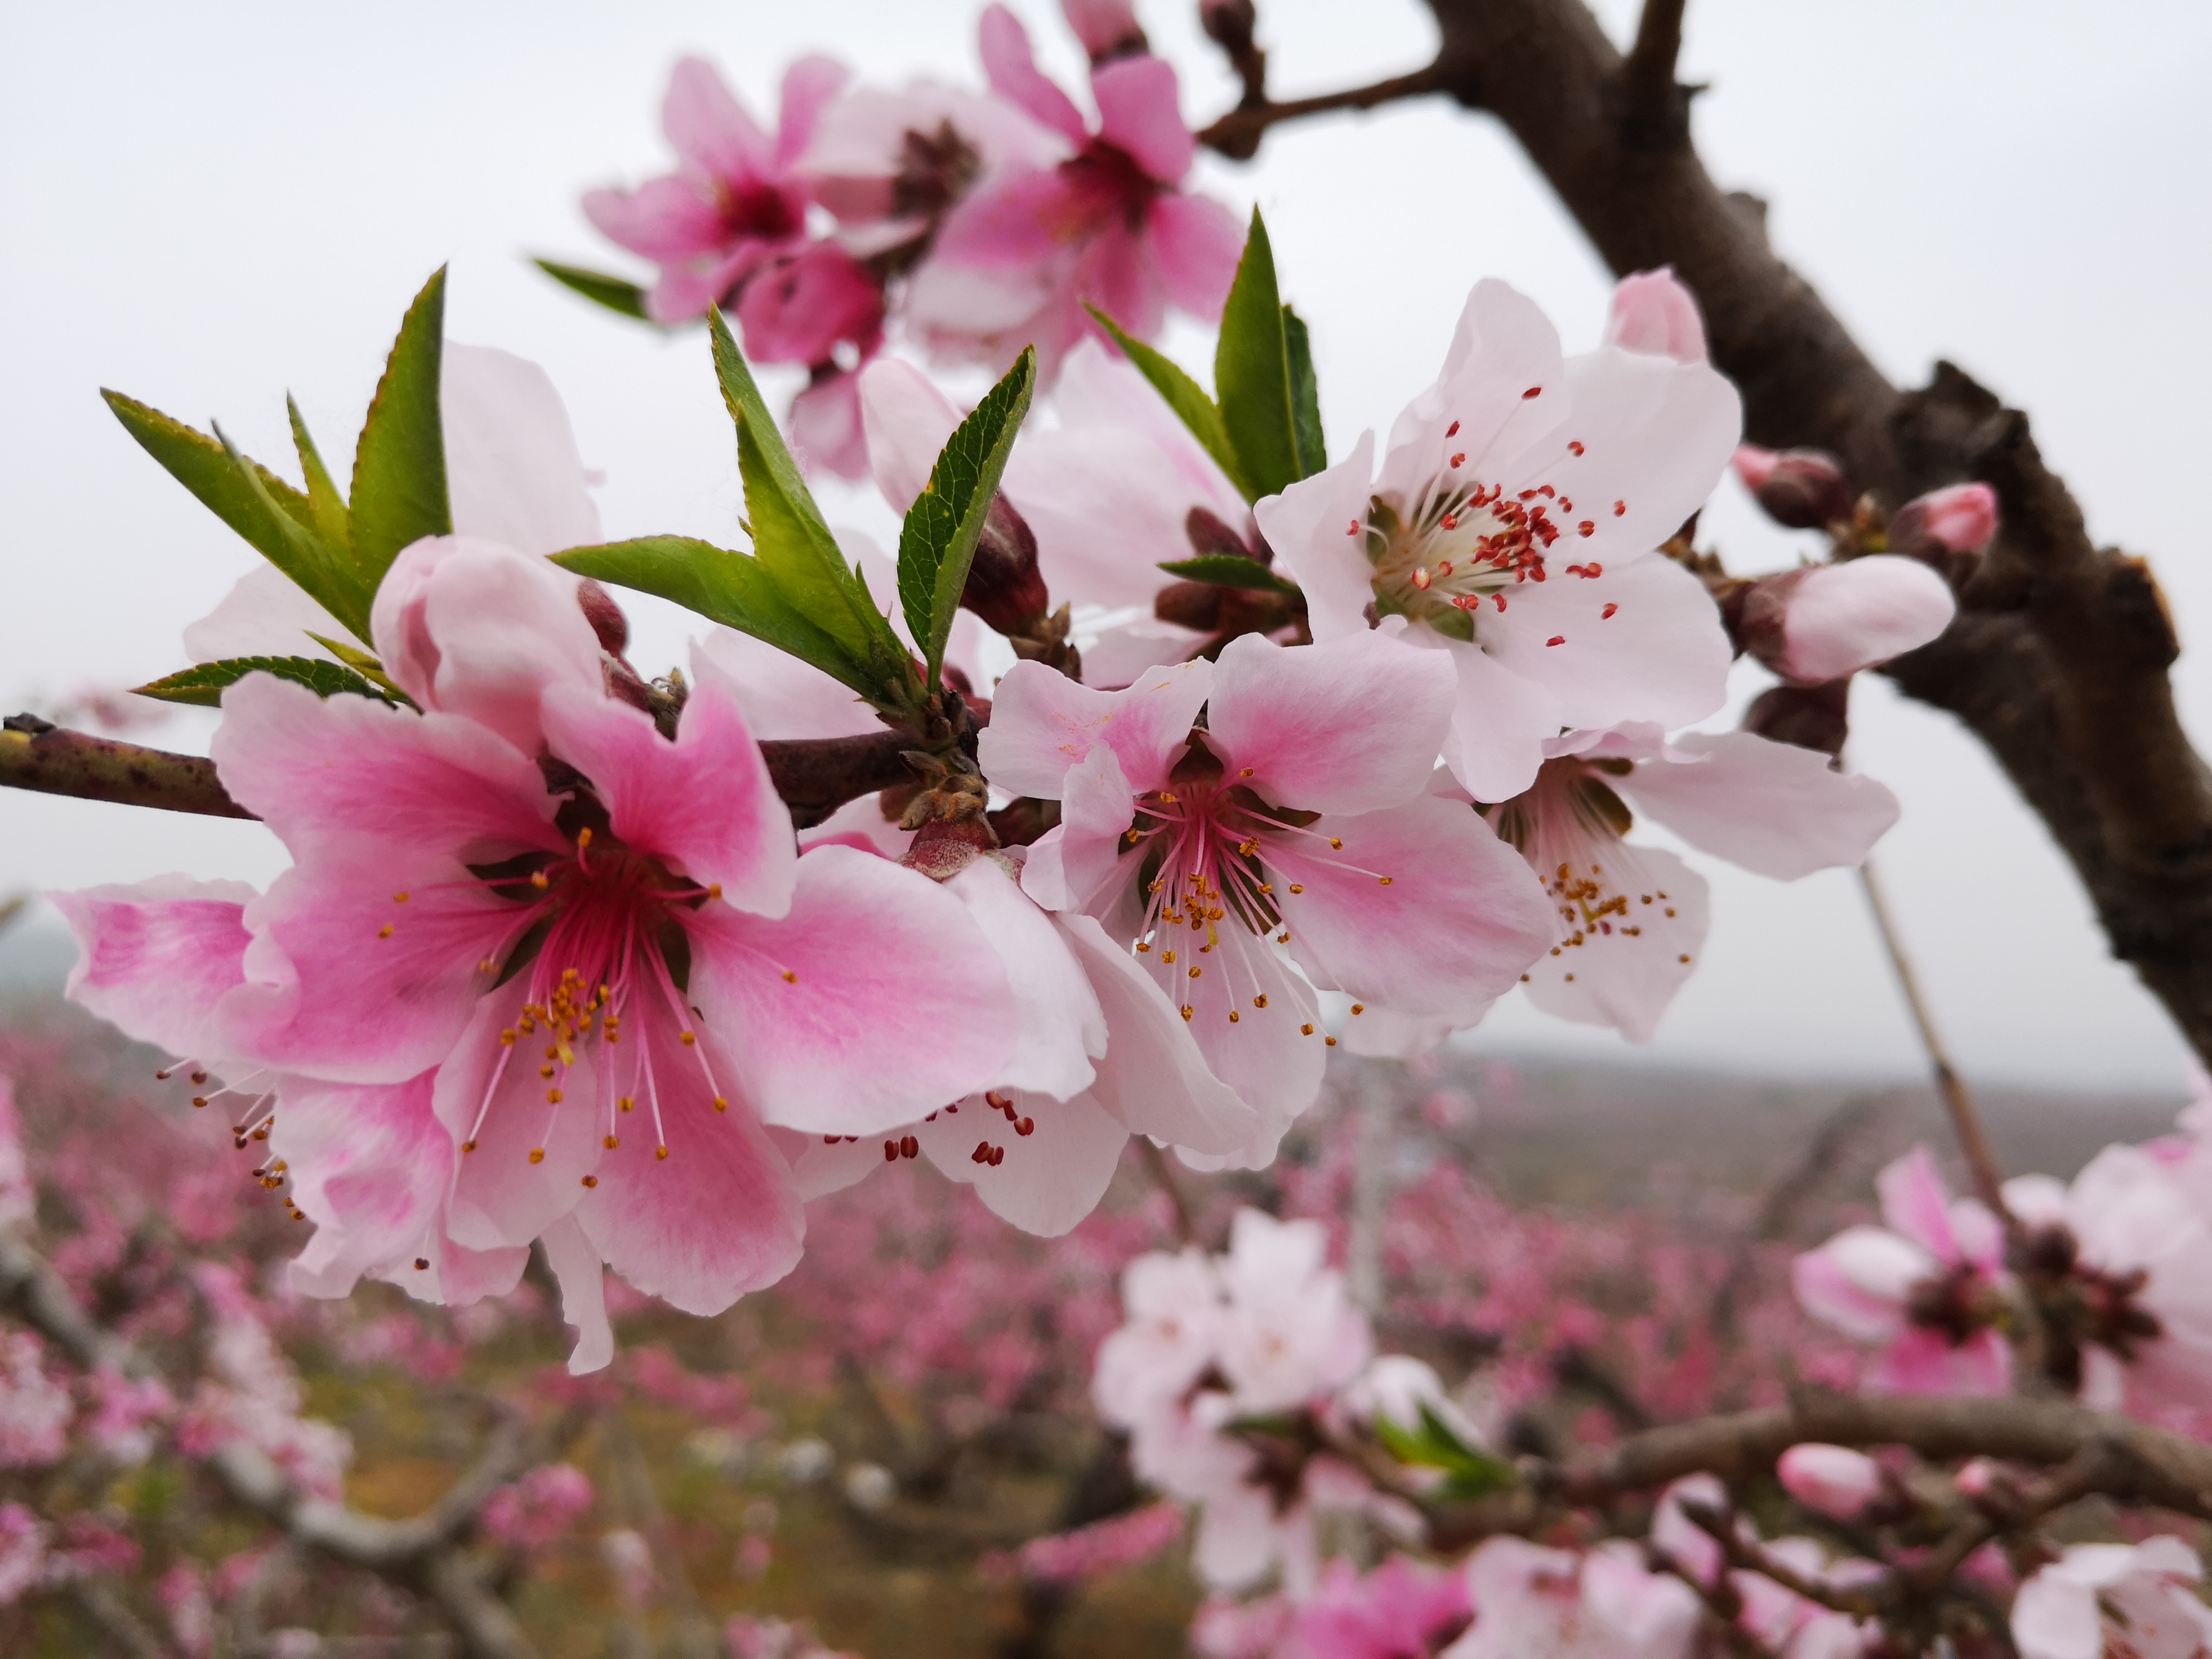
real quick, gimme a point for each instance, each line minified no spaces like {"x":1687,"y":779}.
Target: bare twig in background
{"x":1787,"y":1198}
{"x":1237,"y":133}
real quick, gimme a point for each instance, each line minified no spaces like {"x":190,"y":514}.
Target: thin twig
{"x":1155,"y":1161}
{"x":1237,"y":133}
{"x":1966,"y":1122}
{"x":1752,"y":1558}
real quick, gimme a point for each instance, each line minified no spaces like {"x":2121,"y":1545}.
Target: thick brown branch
{"x":814,"y":775}
{"x":1237,"y":133}
{"x":1655,"y":112}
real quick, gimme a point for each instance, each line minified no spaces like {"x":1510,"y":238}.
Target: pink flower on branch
{"x":2098,"y":1600}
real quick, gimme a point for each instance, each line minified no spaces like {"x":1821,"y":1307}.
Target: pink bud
{"x":1107,"y":28}
{"x":1833,"y":1479}
{"x":1653,"y":312}
{"x":1755,"y":465}
{"x":1804,"y":488}
{"x":1831,"y":620}
{"x":1961,"y":518}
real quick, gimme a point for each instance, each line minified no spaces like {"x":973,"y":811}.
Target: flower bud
{"x":1653,"y":312}
{"x":1961,"y":518}
{"x":1004,"y":588}
{"x":1804,"y":488}
{"x":1835,"y":1481}
{"x":604,"y":616}
{"x":1831,"y":620}
{"x":1813,"y":717}
{"x":1107,"y":28}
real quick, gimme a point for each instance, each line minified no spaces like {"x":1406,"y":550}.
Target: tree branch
{"x":1236,"y":135}
{"x":1655,"y":111}
{"x":814,"y":775}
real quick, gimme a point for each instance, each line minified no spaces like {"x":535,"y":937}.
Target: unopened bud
{"x":1654,"y":313}
{"x":604,"y":616}
{"x":1835,"y":1481}
{"x":1815,"y":717}
{"x":1804,"y":488}
{"x":1004,"y":588}
{"x":1830,"y":620}
{"x":1960,"y":519}
{"x":1107,"y":28}
{"x":1228,"y":23}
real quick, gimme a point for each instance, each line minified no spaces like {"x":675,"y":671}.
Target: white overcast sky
{"x":208,"y":205}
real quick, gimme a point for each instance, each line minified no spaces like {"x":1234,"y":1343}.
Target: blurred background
{"x":207,"y":206}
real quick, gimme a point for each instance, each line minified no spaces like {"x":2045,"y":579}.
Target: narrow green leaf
{"x":616,"y":294}
{"x":365,"y":662}
{"x":1252,"y":373}
{"x":733,"y":589}
{"x":1228,"y":570}
{"x":399,"y":492}
{"x":937,"y":544}
{"x":1305,"y":395}
{"x":1470,"y":1473}
{"x":332,"y":522}
{"x":342,"y":592}
{"x":1184,"y":395}
{"x":204,"y":685}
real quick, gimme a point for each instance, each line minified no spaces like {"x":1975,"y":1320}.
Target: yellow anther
{"x":660,"y":1152}
{"x":1337,"y":844}
{"x":790,"y":977}
{"x":468,"y":1146}
{"x":536,"y":1154}
{"x":690,"y":1039}
{"x":1244,"y":772}
{"x":552,"y":1096}
{"x":721,"y":1104}
{"x":1186,"y":1010}
{"x":540,"y":880}
{"x":713,"y":890}
{"x":399,"y":898}
{"x":384,"y":932}
{"x":1232,"y":1016}
{"x":1196,"y":972}
{"x":1305,"y":1031}
{"x":1259,"y":1001}
{"x":1359,"y":1007}
{"x":584,"y":837}
{"x":627,"y":1103}
{"x":613,"y":1142}
{"x":1385,"y":880}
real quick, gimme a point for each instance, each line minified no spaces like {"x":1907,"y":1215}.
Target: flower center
{"x":1562,"y":825}
{"x":755,"y":209}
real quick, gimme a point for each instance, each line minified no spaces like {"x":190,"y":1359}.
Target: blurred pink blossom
{"x":533,"y":1511}
{"x":1653,"y":312}
{"x":2098,"y":1599}
{"x":1826,"y":621}
{"x":35,"y":1409}
{"x":1833,"y":1479}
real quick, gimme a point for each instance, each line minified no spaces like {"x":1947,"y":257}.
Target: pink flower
{"x":1629,"y":921}
{"x":1826,"y":621}
{"x":22,"y":1553}
{"x":1297,"y":816}
{"x":34,"y":1408}
{"x":1016,"y":261}
{"x":538,"y":1509}
{"x":1927,"y":1286}
{"x":1958,"y":518}
{"x":1401,"y":1607}
{"x":1107,"y":28}
{"x":1833,"y":1479}
{"x":1536,"y":1604}
{"x":1804,"y":488}
{"x":1512,"y":526}
{"x":630,"y":1557}
{"x":891,"y":164}
{"x":1653,"y":312}
{"x":735,"y":201}
{"x":2101,"y":1599}
{"x":799,"y":309}
{"x":1290,"y":1333}
{"x":1173,"y":1314}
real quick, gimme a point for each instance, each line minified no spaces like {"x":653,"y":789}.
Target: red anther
{"x":1537,"y":571}
{"x":1526,"y":496}
{"x":1532,"y":392}
{"x":1353,"y":529}
{"x":982,"y":1154}
{"x":1586,"y":528}
{"x":1593,"y":570}
{"x":1620,"y":508}
{"x":829,"y":1140}
{"x":1450,"y":521}
{"x":1421,"y":578}
{"x":1500,"y":598}
{"x":1557,"y":639}
{"x":1574,"y":446}
{"x":1459,"y":459}
{"x":1026,"y":1127}
{"x":996,"y":1101}
{"x":910,"y":1147}
{"x":997,"y":1156}
{"x":1565,"y":505}
{"x":1452,"y":431}
{"x":1545,"y":489}
{"x":1606,"y":615}
{"x":891,"y":1151}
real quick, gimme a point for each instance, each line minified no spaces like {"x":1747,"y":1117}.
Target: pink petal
{"x":266,"y":614}
{"x":157,"y":957}
{"x":457,"y":1275}
{"x":316,"y":769}
{"x":1653,"y":312}
{"x":718,"y":1215}
{"x":1500,"y":721}
{"x":1618,"y":979}
{"x":704,"y":803}
{"x":1265,"y":1055}
{"x":1916,"y":1203}
{"x":370,"y":1164}
{"x":669,"y":220}
{"x":1137,"y":112}
{"x":897,"y":1006}
{"x":1461,"y":918}
{"x":1010,"y":67}
{"x":824,"y":428}
{"x":1194,"y":243}
{"x":1836,"y":1296}
{"x":1153,"y":1078}
{"x":1042,"y":724}
{"x":1050,"y":1178}
{"x":473,"y":628}
{"x":808,"y":87}
{"x":1771,"y":807}
{"x":575,"y":1264}
{"x":801,"y":307}
{"x":511,"y":467}
{"x":345,"y":983}
{"x":1020,"y":225}
{"x":1503,"y":345}
{"x":778,"y":695}
{"x":1662,"y":656}
{"x":907,"y":420}
{"x":2055,"y":1618}
{"x":1069,"y":866}
{"x":1121,"y":655}
{"x":1061,"y":1025}
{"x":1314,"y":527}
{"x":1925,"y":1361}
{"x":1348,"y":725}
{"x":709,"y":127}
{"x":1840,"y":618}
{"x":491,"y":1092}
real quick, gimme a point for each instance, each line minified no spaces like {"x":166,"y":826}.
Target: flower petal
{"x":491,"y":1092}
{"x":1500,"y":721}
{"x":1503,"y":346}
{"x":1051,"y":1178}
{"x":575,"y":1264}
{"x":370,"y":1164}
{"x":808,"y":87}
{"x":708,"y":126}
{"x":1315,"y":528}
{"x":1010,"y":67}
{"x":157,"y":957}
{"x":511,"y":467}
{"x":1042,"y":723}
{"x":1061,"y":1025}
{"x":1916,"y":1204}
{"x":1138,"y":113}
{"x":1771,"y":807}
{"x":1192,"y":244}
{"x":907,"y":420}
{"x":266,"y":614}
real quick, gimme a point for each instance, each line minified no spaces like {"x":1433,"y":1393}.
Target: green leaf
{"x":354,"y":657}
{"x":616,"y":294}
{"x":399,"y":466}
{"x":937,"y":544}
{"x":275,"y":518}
{"x":1305,"y":395}
{"x":1470,"y":1473}
{"x":794,"y":549}
{"x":1184,"y":395}
{"x":730,"y":588}
{"x":1252,"y":373}
{"x":204,"y":685}
{"x":1228,"y":570}
{"x":332,"y":521}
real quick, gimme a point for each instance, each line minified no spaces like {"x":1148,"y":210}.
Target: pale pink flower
{"x":2098,"y":1600}
{"x":22,"y":1553}
{"x":1401,"y":1607}
{"x":823,"y":425}
{"x":1629,"y":920}
{"x":182,"y":1592}
{"x":1794,"y":1626}
{"x":1926,"y":1286}
{"x":18,"y":1198}
{"x":1512,"y":526}
{"x":1106,"y":27}
{"x":1826,"y":621}
{"x":1957,"y":519}
{"x":1015,"y":261}
{"x":630,"y":1557}
{"x":1653,"y":312}
{"x":1171,"y":1332}
{"x":736,"y":200}
{"x":1833,"y":1479}
{"x":1298,"y":816}
{"x":125,"y":1412}
{"x":1536,"y":1604}
{"x":891,"y":163}
{"x":533,"y":1511}
{"x":35,"y":1409}
{"x":1290,"y":1333}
